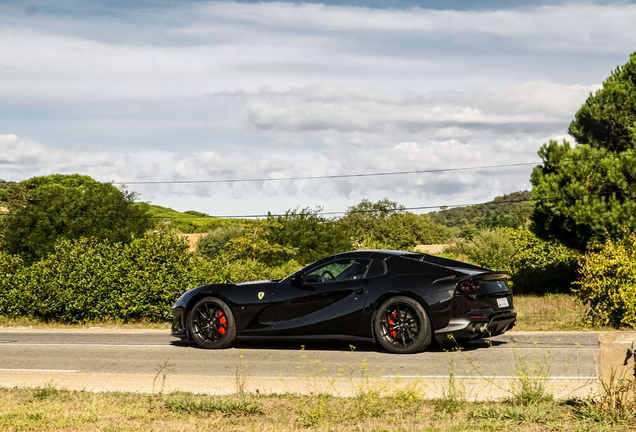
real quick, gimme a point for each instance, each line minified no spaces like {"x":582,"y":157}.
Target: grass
{"x":187,"y":222}
{"x":50,"y":409}
{"x":38,"y":324}
{"x":552,"y":312}
{"x":532,"y":370}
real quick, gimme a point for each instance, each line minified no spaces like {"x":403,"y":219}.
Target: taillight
{"x":469,"y":286}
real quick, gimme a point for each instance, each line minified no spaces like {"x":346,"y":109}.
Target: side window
{"x":377,"y":268}
{"x":338,"y":270}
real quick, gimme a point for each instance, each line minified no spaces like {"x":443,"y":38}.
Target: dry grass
{"x":37,"y":324}
{"x":552,"y":312}
{"x":50,"y":409}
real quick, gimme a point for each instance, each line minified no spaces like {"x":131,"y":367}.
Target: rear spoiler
{"x":450,"y":263}
{"x":492,"y":276}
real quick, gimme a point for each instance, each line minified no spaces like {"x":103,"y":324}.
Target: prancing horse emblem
{"x":261,"y":295}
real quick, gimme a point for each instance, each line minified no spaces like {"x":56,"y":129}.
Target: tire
{"x":402,"y":326}
{"x":211,"y":324}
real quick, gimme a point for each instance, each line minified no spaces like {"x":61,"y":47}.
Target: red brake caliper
{"x":391,"y":322}
{"x":223,"y":323}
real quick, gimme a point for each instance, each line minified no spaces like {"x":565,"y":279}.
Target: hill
{"x":512,"y":210}
{"x":186,"y":222}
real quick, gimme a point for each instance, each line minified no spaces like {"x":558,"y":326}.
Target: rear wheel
{"x":211,"y":323}
{"x":402,"y":326}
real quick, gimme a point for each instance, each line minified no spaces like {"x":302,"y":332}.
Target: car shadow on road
{"x":339,"y":345}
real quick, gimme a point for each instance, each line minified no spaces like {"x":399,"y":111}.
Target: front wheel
{"x":402,"y":326}
{"x":211,"y":323}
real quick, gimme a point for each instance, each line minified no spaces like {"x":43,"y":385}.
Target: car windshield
{"x":338,"y":270}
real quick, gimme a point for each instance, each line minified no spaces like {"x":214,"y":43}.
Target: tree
{"x":490,"y":248}
{"x":607,"y":119}
{"x":364,"y":219}
{"x":508,"y":211}
{"x":43,"y":210}
{"x":215,"y":241}
{"x":385,"y":224}
{"x":312,"y":235}
{"x":588,"y":191}
{"x":404,"y":231}
{"x":4,"y":194}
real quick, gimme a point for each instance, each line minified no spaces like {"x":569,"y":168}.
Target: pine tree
{"x":588,"y":191}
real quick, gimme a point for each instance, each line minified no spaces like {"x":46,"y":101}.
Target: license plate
{"x":502,"y":302}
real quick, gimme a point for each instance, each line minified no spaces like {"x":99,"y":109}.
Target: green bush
{"x":88,"y":280}
{"x":490,"y":248}
{"x":85,"y":279}
{"x":258,"y":243}
{"x":45,"y":209}
{"x":540,"y":266}
{"x":608,"y":282}
{"x":213,"y":243}
{"x":303,"y":236}
{"x":224,"y":270}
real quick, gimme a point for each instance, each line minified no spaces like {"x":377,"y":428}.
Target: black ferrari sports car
{"x":403,"y":300}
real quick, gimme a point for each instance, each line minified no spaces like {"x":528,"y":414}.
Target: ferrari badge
{"x":261,"y":295}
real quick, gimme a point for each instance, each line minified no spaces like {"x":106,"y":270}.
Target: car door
{"x":329,"y":301}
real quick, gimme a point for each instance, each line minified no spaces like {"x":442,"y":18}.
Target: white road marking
{"x":78,"y":344}
{"x":489,"y":377}
{"x":39,"y":370}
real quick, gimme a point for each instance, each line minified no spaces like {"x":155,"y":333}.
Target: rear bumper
{"x":476,"y":326}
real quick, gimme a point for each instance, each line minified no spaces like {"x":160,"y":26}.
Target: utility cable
{"x":333,"y":213}
{"x":325,"y":177}
{"x":340,"y":176}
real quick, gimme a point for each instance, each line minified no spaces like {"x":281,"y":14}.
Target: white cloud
{"x":208,"y":90}
{"x":22,"y":157}
{"x":325,"y":106}
{"x":15,"y":152}
{"x":585,"y":27}
{"x":245,"y":46}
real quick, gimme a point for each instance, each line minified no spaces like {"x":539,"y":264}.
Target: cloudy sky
{"x":161,"y":91}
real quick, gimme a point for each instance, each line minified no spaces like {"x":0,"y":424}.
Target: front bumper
{"x":178,"y":323}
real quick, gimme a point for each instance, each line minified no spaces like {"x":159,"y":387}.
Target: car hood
{"x":263,"y":282}
{"x":222,"y":289}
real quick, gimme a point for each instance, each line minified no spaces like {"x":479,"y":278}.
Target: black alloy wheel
{"x":402,"y":326}
{"x":211,"y":323}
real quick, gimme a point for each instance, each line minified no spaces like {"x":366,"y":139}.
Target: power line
{"x":326,"y":177}
{"x":340,"y":176}
{"x":333,"y":213}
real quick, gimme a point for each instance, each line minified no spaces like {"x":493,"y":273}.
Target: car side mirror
{"x":297,"y":280}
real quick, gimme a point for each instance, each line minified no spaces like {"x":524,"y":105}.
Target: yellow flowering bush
{"x":608,"y":282}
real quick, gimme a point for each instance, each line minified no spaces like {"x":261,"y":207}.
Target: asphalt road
{"x":568,"y":355}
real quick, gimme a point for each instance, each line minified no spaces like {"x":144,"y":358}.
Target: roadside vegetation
{"x":51,"y":409}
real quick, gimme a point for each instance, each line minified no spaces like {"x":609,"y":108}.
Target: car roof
{"x":378,"y":253}
{"x":431,"y":259}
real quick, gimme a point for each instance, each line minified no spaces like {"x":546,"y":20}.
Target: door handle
{"x":359,"y":291}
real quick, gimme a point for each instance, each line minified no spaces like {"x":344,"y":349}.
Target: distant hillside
{"x":512,"y":210}
{"x":187,"y":222}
